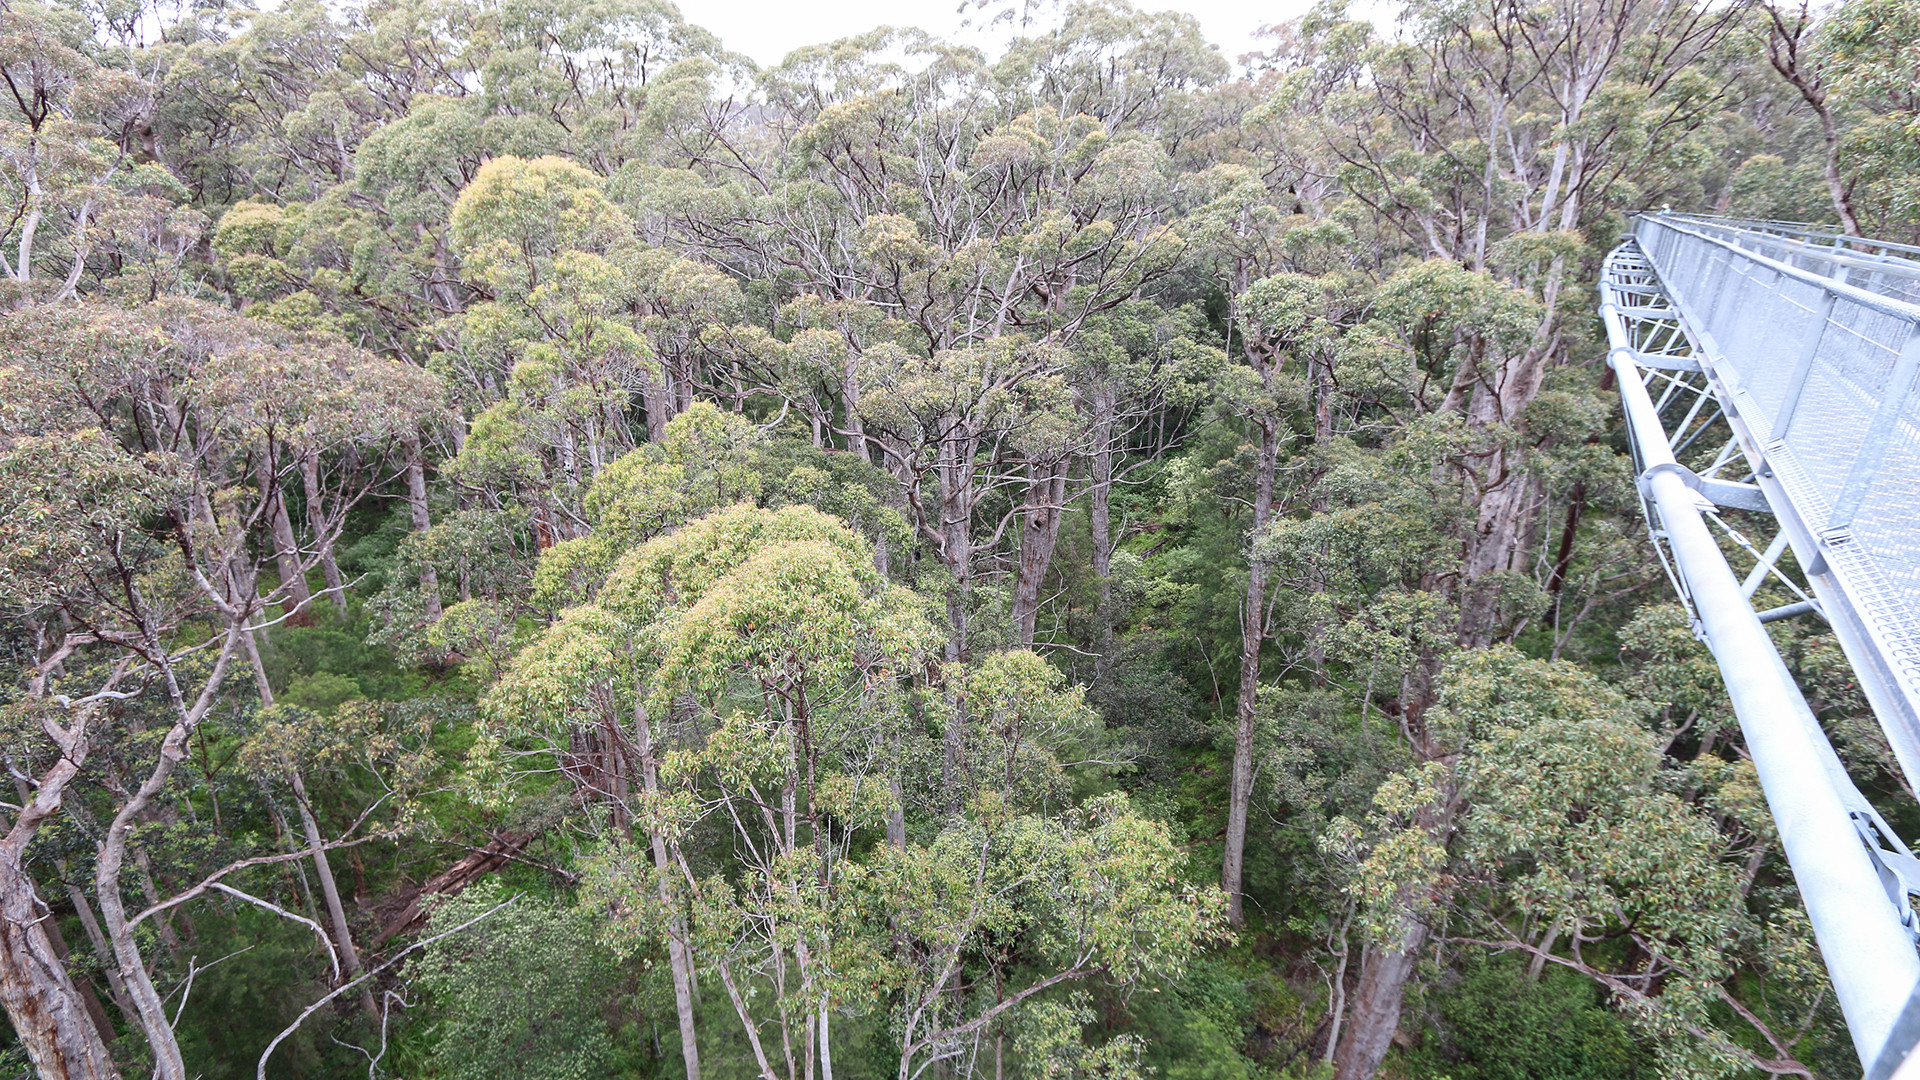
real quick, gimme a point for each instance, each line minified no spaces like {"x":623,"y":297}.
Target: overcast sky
{"x":766,"y":29}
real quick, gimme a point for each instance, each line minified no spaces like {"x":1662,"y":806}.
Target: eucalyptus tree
{"x":982,"y":218}
{"x":69,"y":135}
{"x":1516,"y":120}
{"x":109,"y":589}
{"x":1792,"y":50}
{"x":87,"y":500}
{"x":1277,"y":320}
{"x":1852,"y":67}
{"x":1438,"y":477}
{"x":1570,"y":832}
{"x":259,"y":103}
{"x":1485,"y":138}
{"x":734,"y":354}
{"x":1141,"y":376}
{"x":182,"y":414}
{"x":1875,"y":73}
{"x":1090,"y":888}
{"x":1511,"y":131}
{"x":547,"y":362}
{"x":354,"y":131}
{"x":772,"y":634}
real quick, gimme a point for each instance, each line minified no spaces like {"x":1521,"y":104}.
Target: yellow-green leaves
{"x":704,"y":463}
{"x":791,"y":610}
{"x":785,"y":600}
{"x":249,"y":241}
{"x":66,"y":502}
{"x":1555,"y":810}
{"x":1093,"y":893}
{"x":517,"y":215}
{"x":680,"y":567}
{"x":859,"y":802}
{"x":797,"y":615}
{"x":561,"y":677}
{"x":1027,"y":722}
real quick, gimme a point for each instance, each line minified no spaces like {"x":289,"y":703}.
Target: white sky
{"x":766,"y":29}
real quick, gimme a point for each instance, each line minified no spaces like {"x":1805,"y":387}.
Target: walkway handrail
{"x":1825,"y":234}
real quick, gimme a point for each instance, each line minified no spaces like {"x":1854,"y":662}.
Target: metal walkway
{"x":1768,"y":369}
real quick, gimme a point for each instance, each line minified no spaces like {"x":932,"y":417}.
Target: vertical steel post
{"x":1802,"y":367}
{"x":1866,"y":463}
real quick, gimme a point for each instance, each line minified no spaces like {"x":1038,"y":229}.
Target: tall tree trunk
{"x":1563,"y":555}
{"x":91,"y":924}
{"x":897,"y":815}
{"x":1320,"y":375}
{"x":956,"y":540}
{"x":1337,"y":1003}
{"x":826,"y":1043}
{"x":956,"y":551}
{"x":1253,"y":634}
{"x":1385,"y":966}
{"x":1040,"y":533}
{"x":444,"y":275}
{"x":422,"y":521}
{"x":1508,"y":519}
{"x":677,"y":952}
{"x":658,"y":403}
{"x":316,"y":846}
{"x":102,"y":1023}
{"x":1786,"y":45}
{"x":1509,"y":494}
{"x":681,"y":380}
{"x":150,"y":1009}
{"x":1384,"y":971}
{"x":35,"y":201}
{"x":286,"y":548}
{"x":330,"y":892}
{"x":1539,"y":962}
{"x":44,"y":1005}
{"x":850,"y":401}
{"x":322,"y":532}
{"x":1100,"y":519}
{"x":1839,"y":188}
{"x":1320,"y":371}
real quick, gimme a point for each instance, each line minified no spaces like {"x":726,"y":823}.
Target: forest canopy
{"x":532,"y":546}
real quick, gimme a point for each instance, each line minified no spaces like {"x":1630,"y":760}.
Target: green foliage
{"x":268,"y":974}
{"x":514,"y":995}
{"x":1496,"y":1023}
{"x":1096,"y":891}
{"x":1870,"y":47}
{"x":1197,"y":1027}
{"x":845,"y":538}
{"x":327,"y":663}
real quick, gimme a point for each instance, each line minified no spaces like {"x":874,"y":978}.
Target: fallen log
{"x":502,"y":849}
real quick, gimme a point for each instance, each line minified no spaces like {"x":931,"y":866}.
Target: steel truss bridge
{"x":1768,"y":369}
